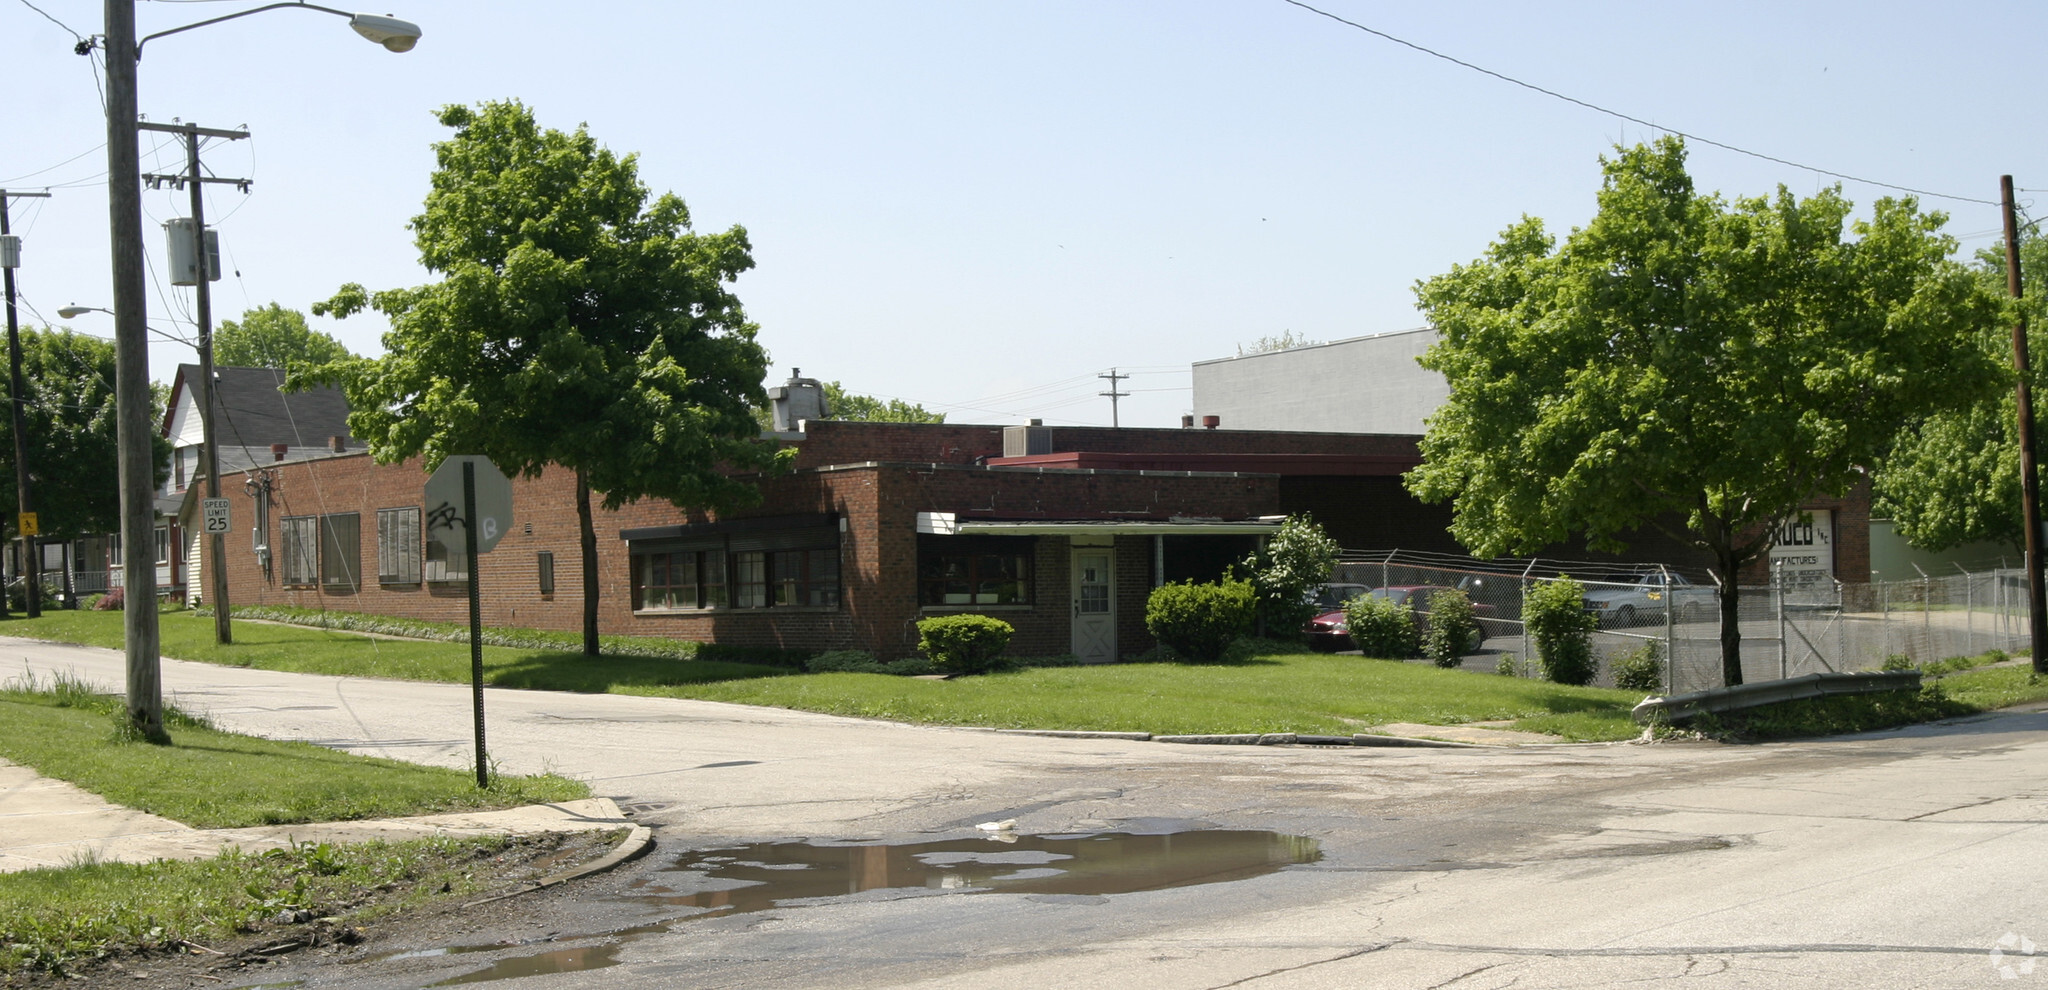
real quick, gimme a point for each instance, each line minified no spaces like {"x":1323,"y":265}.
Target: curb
{"x":1263,"y":739}
{"x":636,"y":844}
{"x":1368,"y":739}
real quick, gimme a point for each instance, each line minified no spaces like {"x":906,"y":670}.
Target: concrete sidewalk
{"x":46,"y":822}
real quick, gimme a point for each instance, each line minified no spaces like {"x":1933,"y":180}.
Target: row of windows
{"x":736,"y":579}
{"x":325,"y":551}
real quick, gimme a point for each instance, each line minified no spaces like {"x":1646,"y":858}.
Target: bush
{"x":1896,"y":662}
{"x":1640,"y":669}
{"x":109,"y":602}
{"x":1556,"y":617}
{"x":963,"y":644}
{"x":1285,"y":573}
{"x":1506,"y":666}
{"x":1381,"y":628}
{"x":1198,"y":621}
{"x":1452,"y":628}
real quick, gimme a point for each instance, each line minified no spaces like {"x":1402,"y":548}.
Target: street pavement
{"x":1911,"y":858}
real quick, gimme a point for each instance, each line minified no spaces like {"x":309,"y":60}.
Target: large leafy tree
{"x":274,"y":337}
{"x":1691,"y":364}
{"x":577,"y":323}
{"x":1955,"y":477}
{"x":68,"y":415}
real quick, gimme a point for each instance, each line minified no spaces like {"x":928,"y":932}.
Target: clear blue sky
{"x":981,"y":206}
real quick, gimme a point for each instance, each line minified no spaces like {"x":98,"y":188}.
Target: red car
{"x":1330,"y":632}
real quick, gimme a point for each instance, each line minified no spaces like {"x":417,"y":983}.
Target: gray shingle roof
{"x":251,"y":412}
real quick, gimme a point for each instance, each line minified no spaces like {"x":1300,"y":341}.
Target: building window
{"x":736,"y":565}
{"x":300,"y":550}
{"x":804,"y":577}
{"x":398,"y":545}
{"x":546,"y":563}
{"x":341,"y":552}
{"x":447,"y":558}
{"x":990,"y":571}
{"x":163,"y":545}
{"x":750,"y":579}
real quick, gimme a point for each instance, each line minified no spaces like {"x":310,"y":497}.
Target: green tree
{"x":1955,"y":477}
{"x":274,"y":337}
{"x":1286,"y":571}
{"x":68,"y":414}
{"x":841,"y":404}
{"x":577,"y":323}
{"x":1690,"y":364}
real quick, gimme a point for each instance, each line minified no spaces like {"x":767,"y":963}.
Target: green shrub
{"x":1381,"y":628}
{"x":1896,"y":662}
{"x":1285,"y":573}
{"x":1452,"y":628}
{"x":1556,"y":617}
{"x":1198,"y":621}
{"x":1640,"y":669}
{"x":963,"y":644}
{"x":1506,"y":666}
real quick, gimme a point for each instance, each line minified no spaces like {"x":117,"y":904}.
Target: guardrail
{"x":1680,"y":707}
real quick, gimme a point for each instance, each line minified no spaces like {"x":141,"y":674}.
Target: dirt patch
{"x":372,"y":917}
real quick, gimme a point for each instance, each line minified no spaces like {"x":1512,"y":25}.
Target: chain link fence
{"x":1787,"y":629}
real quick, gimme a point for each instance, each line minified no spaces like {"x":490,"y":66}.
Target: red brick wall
{"x":878,"y":549}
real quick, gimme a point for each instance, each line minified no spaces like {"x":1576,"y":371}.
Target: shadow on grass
{"x":1564,"y":704}
{"x":552,"y":670}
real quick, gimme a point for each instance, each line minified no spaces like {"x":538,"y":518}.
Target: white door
{"x":1095,"y":604}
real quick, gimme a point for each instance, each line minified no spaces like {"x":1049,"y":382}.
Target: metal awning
{"x":949,"y":524}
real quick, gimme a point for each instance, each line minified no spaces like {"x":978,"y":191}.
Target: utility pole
{"x":24,"y":505}
{"x":203,"y":274}
{"x":1113,"y":395}
{"x":131,"y":379}
{"x":2030,"y":477}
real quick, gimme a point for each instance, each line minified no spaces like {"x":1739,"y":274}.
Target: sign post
{"x":468,"y":491}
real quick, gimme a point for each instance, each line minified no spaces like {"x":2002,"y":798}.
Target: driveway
{"x":1896,"y":859}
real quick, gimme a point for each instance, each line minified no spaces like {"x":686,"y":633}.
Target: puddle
{"x":766,"y":875}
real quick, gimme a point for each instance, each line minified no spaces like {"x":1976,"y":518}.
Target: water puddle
{"x":757,"y":877}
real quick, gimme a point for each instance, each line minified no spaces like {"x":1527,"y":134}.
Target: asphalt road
{"x":1898,"y":859}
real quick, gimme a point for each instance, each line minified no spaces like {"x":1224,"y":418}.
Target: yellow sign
{"x":28,"y":525}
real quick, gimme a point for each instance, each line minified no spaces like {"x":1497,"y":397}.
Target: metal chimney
{"x":797,"y":400}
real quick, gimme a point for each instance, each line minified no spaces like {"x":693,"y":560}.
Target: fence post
{"x":1926,"y":614}
{"x":1778,"y":600}
{"x":1670,"y":636}
{"x":1527,"y":651}
{"x":1969,"y":612}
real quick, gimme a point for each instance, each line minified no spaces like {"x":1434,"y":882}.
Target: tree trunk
{"x":588,"y":532}
{"x":1725,"y":568}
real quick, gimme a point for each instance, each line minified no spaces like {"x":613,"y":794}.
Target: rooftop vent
{"x":797,"y":400}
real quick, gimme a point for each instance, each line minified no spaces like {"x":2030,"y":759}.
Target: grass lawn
{"x":61,"y":921}
{"x":1309,"y":693}
{"x":212,"y":779}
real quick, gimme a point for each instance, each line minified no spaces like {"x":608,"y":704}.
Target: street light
{"x":131,"y":352}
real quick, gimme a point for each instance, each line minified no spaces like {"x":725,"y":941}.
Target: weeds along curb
{"x":637,"y":842}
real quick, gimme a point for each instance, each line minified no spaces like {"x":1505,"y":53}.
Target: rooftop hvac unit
{"x":10,"y":251}
{"x":178,"y":245}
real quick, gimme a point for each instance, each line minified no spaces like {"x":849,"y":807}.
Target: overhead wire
{"x":1597,"y":108}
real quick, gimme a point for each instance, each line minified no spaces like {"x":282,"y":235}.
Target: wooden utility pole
{"x":1112,"y":395}
{"x":2030,"y":478}
{"x":24,"y":503}
{"x":203,"y":273}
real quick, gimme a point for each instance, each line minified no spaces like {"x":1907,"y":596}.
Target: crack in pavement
{"x":1353,"y":954}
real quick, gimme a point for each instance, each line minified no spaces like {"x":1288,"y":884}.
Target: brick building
{"x":1060,"y":531}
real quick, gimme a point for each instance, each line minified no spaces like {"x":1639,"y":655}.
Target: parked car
{"x":1328,"y":632}
{"x":1625,"y":600}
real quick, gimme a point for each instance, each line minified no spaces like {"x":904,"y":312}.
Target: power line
{"x":47,"y":17}
{"x":1597,"y":108}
